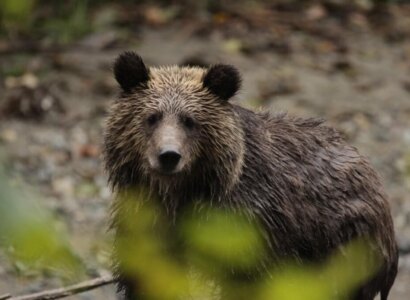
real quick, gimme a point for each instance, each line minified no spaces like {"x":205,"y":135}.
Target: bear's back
{"x":303,"y":180}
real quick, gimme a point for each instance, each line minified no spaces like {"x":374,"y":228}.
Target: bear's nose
{"x":169,"y":160}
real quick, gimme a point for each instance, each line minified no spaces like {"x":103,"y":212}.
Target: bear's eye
{"x":188,"y":122}
{"x":153,"y":119}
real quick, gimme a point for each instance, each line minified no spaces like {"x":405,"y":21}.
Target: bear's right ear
{"x":130,"y":71}
{"x":222,"y":80}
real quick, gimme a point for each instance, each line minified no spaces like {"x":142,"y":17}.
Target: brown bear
{"x":174,"y":132}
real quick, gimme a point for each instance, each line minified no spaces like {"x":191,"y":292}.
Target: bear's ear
{"x":130,"y":71}
{"x":222,"y":80}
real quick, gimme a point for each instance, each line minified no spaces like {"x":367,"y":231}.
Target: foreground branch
{"x":64,"y":292}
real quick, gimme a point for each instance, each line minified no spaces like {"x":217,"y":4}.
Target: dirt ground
{"x":357,"y":79}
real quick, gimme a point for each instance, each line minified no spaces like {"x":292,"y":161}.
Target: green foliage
{"x":227,"y":239}
{"x":30,"y":236}
{"x":217,"y":244}
{"x":16,"y":14}
{"x":73,"y":21}
{"x":333,"y":280}
{"x":58,"y":21}
{"x":142,"y":249}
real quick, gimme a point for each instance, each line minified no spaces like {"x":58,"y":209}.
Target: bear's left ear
{"x":223,"y":81}
{"x":130,"y":71}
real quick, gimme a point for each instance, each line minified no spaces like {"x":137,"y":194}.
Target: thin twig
{"x":66,"y":291}
{"x":5,"y":296}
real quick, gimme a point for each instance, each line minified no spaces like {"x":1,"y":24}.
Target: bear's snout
{"x":169,"y":159}
{"x":167,"y":150}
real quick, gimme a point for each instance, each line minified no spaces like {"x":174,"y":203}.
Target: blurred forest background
{"x":346,"y":61}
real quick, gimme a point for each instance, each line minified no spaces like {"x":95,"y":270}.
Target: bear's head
{"x":174,"y":126}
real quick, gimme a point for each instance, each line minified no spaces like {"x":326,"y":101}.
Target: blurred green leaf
{"x":335,"y":279}
{"x":73,"y":22}
{"x":227,"y":238}
{"x":29,"y":234}
{"x":16,"y":13}
{"x":142,"y":249}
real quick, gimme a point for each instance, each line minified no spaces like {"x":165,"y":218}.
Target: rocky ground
{"x":52,"y":114}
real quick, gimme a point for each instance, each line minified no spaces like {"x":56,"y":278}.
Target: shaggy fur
{"x":130,"y":71}
{"x":223,"y":81}
{"x":311,"y":191}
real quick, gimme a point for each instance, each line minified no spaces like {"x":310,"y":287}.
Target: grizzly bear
{"x":174,"y":132}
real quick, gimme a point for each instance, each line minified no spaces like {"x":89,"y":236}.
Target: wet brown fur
{"x":310,"y":190}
